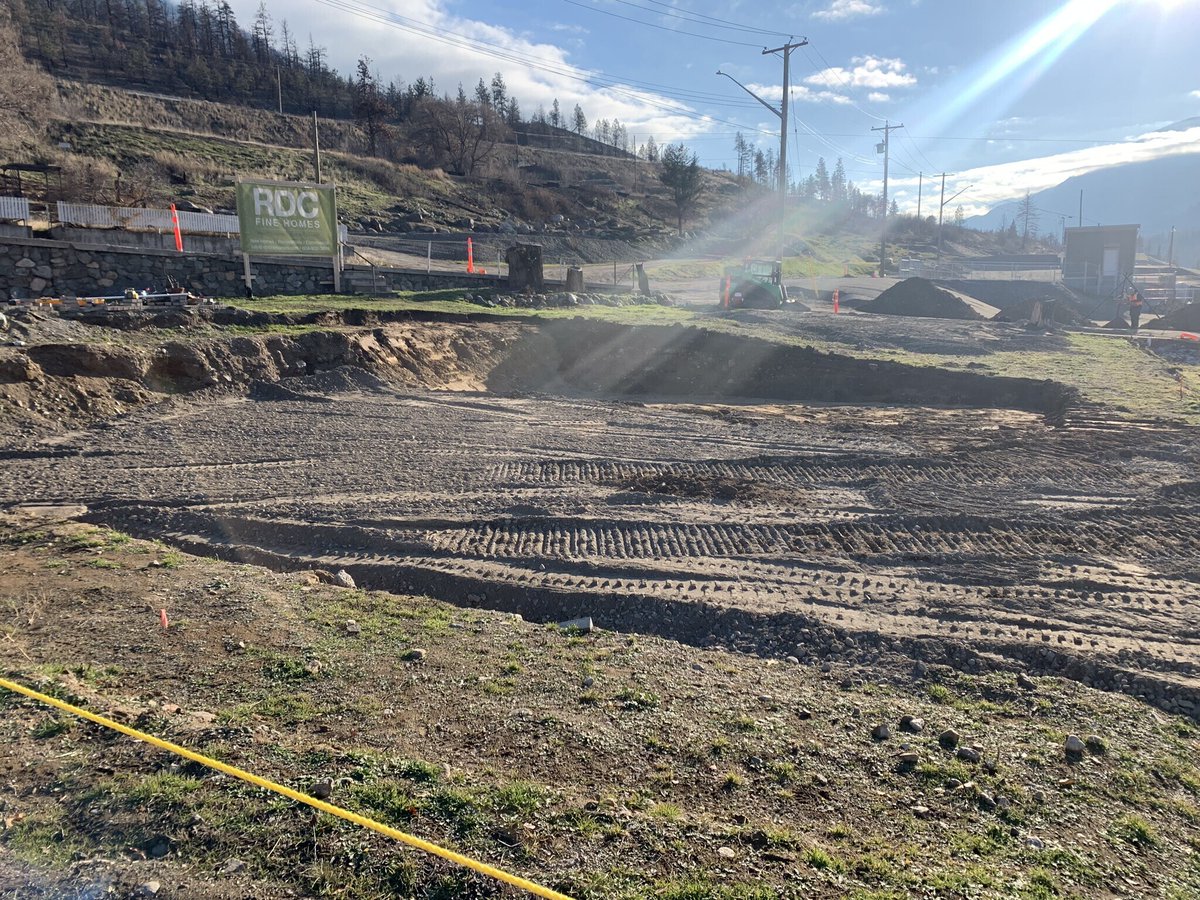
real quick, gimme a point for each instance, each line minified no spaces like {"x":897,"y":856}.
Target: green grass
{"x":51,"y":728}
{"x":450,"y":300}
{"x":1136,"y":831}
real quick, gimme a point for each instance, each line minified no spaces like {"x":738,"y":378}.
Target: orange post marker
{"x":836,"y":294}
{"x":162,"y":617}
{"x":175,"y":223}
{"x":470,"y":257}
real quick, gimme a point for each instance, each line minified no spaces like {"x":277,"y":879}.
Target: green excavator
{"x":755,"y":284}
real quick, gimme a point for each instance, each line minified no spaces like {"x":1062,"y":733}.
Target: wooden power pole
{"x":885,"y":148}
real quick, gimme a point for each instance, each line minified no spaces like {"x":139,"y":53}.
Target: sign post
{"x":287,"y":218}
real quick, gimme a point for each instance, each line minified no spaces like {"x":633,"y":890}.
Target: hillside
{"x":1154,"y":194}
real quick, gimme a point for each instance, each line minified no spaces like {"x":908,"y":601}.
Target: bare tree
{"x":1027,"y":215}
{"x":462,"y":134}
{"x":25,"y":91}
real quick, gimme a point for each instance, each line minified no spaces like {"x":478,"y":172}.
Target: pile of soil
{"x":1056,"y":311}
{"x":1185,"y":319}
{"x":922,"y":298}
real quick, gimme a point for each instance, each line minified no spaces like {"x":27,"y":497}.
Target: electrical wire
{"x":484,"y":48}
{"x":714,"y":19}
{"x":694,"y":34}
{"x":387,"y":17}
{"x":698,"y":18}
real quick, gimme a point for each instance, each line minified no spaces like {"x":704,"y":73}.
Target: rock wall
{"x":32,"y":268}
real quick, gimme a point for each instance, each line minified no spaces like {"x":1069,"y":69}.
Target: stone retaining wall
{"x":31,"y":268}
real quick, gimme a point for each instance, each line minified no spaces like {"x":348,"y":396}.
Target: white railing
{"x":14,"y":209}
{"x":89,"y":215}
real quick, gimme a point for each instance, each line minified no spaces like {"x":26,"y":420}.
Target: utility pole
{"x":941,"y":208}
{"x":782,"y":114}
{"x":1171,"y":249}
{"x":316,"y":148}
{"x":920,"y":190}
{"x":279,"y":89}
{"x":886,"y":149}
{"x":1081,"y":207}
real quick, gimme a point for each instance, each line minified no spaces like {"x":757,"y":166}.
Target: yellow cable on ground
{"x":415,"y":842}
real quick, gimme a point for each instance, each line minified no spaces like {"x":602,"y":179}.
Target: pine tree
{"x":681,"y":173}
{"x":824,"y":185}
{"x":499,"y":93}
{"x":579,"y":120}
{"x":837,"y":184}
{"x":555,"y":114}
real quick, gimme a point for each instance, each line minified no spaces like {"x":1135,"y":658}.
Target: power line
{"x":725,"y":22}
{"x":485,"y":48}
{"x":845,"y":85}
{"x":698,"y":18}
{"x":488,"y":48}
{"x":694,"y":34}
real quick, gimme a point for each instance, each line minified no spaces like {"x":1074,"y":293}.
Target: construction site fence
{"x":14,"y":209}
{"x":90,"y":215}
{"x":982,"y":269}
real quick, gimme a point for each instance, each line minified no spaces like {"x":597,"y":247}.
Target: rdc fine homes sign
{"x":286,"y":218}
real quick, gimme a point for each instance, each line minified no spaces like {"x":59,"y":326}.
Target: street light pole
{"x":782,"y":114}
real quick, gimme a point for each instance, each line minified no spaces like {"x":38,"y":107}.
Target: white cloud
{"x":872,"y":72}
{"x":990,"y":185}
{"x":839,"y":10}
{"x":429,"y":43}
{"x":878,"y":97}
{"x":800,"y":93}
{"x":1195,"y":95}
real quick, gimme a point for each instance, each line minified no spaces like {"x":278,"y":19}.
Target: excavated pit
{"x":667,"y":480}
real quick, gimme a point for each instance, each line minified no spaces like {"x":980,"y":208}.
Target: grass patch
{"x":1136,"y":831}
{"x":633,"y":699}
{"x":823,"y":861}
{"x":49,"y":728}
{"x":166,"y":788}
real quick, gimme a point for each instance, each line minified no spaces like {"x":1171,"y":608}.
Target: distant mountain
{"x":1157,"y":195}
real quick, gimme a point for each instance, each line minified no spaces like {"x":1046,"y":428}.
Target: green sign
{"x":286,"y":218}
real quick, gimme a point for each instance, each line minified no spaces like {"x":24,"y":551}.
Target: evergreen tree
{"x":555,"y":114}
{"x":579,"y":120}
{"x":824,"y":185}
{"x":837,"y":183}
{"x":499,"y":93}
{"x":369,"y":106}
{"x":681,"y":173}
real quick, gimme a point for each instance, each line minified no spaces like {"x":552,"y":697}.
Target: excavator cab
{"x":755,"y":284}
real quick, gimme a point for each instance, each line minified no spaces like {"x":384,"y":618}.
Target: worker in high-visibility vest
{"x":1135,"y":308}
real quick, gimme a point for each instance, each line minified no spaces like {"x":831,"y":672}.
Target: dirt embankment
{"x":62,"y":384}
{"x":616,"y":360}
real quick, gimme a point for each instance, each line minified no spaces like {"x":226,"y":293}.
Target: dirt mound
{"x":596,"y":358}
{"x":1185,"y":319}
{"x":1054,"y":311}
{"x":918,"y":297}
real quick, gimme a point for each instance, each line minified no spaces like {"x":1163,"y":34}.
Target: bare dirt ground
{"x":773,"y":580}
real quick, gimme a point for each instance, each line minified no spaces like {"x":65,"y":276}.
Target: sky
{"x":1005,"y":97}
